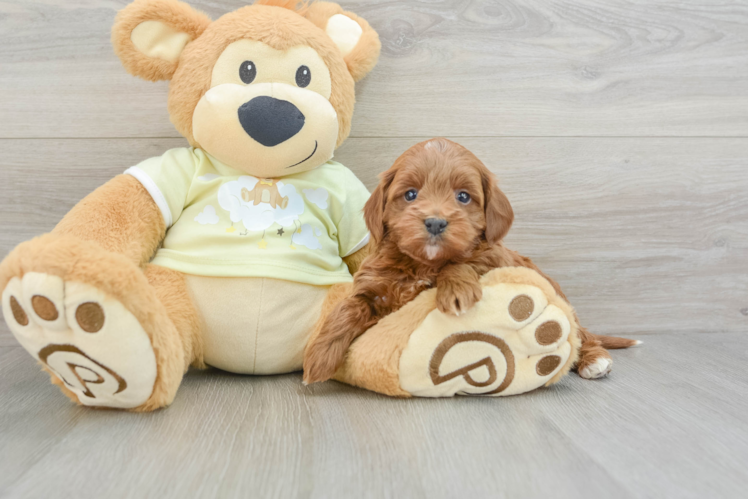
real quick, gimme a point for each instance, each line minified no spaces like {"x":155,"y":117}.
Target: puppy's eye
{"x":411,"y":195}
{"x":303,"y":76}
{"x":463,"y":197}
{"x":248,"y":72}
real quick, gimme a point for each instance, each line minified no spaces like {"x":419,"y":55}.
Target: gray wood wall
{"x":619,"y":130}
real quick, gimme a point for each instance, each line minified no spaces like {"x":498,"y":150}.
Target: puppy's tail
{"x":616,"y":342}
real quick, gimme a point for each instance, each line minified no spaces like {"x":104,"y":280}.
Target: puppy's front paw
{"x":457,"y":297}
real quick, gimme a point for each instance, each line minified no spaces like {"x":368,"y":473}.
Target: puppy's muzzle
{"x":270,"y":121}
{"x":435,"y":226}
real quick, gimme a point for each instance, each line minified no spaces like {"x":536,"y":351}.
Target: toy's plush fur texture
{"x":104,"y":244}
{"x":74,"y":260}
{"x":362,"y":59}
{"x":174,"y":14}
{"x":373,"y":360}
{"x":108,"y":238}
{"x":191,"y":76}
{"x":122,"y":204}
{"x":409,"y":259}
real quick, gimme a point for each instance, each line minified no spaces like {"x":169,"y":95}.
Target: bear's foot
{"x":94,"y":321}
{"x":95,"y":346}
{"x":518,"y":337}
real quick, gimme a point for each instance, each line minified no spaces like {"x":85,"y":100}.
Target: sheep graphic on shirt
{"x":260,"y":203}
{"x":245,"y":204}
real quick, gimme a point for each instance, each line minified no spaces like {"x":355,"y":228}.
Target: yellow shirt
{"x":223,"y":222}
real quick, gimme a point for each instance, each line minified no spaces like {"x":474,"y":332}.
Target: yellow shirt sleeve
{"x":352,"y":232}
{"x":168,"y":179}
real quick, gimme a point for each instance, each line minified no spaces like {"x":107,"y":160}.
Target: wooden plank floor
{"x":669,"y":422}
{"x":619,"y":129}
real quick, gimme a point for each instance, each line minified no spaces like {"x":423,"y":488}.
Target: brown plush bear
{"x":229,"y":253}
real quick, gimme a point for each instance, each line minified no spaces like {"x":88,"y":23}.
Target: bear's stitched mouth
{"x":305,"y":159}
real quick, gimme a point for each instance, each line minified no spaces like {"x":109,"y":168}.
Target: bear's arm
{"x":354,"y":260}
{"x":121,"y":217}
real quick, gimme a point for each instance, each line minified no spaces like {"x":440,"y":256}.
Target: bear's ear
{"x":358,"y":41}
{"x":149,"y":36}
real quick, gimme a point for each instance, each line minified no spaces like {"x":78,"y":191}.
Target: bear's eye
{"x":303,"y":76}
{"x":411,"y":195}
{"x":463,"y":197}
{"x":248,"y":72}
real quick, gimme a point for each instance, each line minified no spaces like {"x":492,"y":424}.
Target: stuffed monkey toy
{"x":229,"y":252}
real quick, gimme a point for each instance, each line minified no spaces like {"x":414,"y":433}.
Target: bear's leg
{"x":520,"y":336}
{"x":173,"y":293}
{"x":96,"y":324}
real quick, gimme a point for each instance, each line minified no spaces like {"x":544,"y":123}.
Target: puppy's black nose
{"x":435,"y":226}
{"x":270,"y":121}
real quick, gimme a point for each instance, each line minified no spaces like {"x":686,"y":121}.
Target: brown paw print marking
{"x":18,"y":313}
{"x":547,"y":364}
{"x":458,"y":338}
{"x":521,"y":307}
{"x":90,"y":317}
{"x":79,"y":372}
{"x":44,"y":308}
{"x":71,"y":352}
{"x":548,"y":333}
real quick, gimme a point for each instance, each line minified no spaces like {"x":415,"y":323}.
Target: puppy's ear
{"x":374,"y":208}
{"x":499,"y":213}
{"x":357,"y":41}
{"x":150,"y":35}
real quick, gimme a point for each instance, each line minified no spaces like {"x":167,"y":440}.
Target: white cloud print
{"x":207,"y":216}
{"x":261,"y":216}
{"x":317,"y":196}
{"x":306,"y":237}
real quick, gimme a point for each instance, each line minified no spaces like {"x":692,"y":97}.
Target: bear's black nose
{"x":270,"y":121}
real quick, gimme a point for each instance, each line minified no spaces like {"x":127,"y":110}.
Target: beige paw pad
{"x":511,"y":342}
{"x":89,"y":340}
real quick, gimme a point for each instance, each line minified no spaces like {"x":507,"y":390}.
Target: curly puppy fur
{"x":436,"y":180}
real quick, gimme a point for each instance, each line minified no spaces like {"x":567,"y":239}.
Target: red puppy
{"x":436,"y":220}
